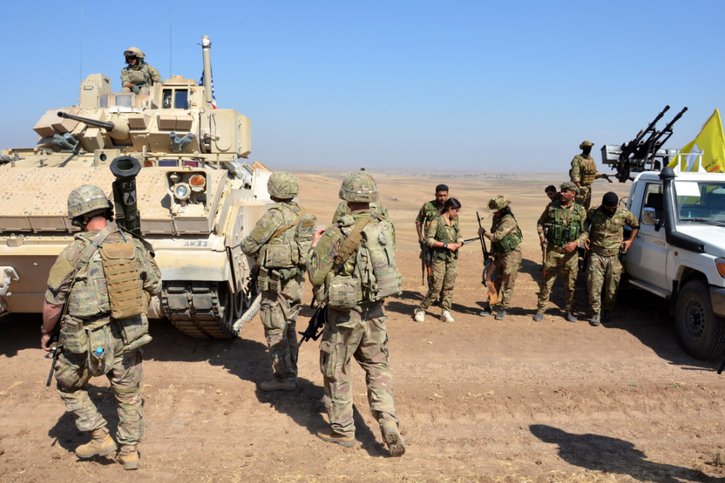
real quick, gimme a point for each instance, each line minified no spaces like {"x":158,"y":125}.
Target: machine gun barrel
{"x":125,"y":169}
{"x":108,"y":126}
{"x":658,"y":141}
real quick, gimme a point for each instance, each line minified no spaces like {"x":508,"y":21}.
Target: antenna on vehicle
{"x":171,"y":39}
{"x":80,"y":47}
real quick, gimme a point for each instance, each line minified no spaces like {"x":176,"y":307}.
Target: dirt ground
{"x":479,"y":399}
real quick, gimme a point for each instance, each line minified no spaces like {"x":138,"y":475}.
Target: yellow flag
{"x":710,"y":143}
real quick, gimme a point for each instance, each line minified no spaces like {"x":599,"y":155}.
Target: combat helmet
{"x":359,"y":187}
{"x":85,"y":200}
{"x":498,"y":203}
{"x":283,"y":185}
{"x":586,"y":144}
{"x":133,"y":52}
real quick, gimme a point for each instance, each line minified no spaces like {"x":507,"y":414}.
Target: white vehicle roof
{"x":682,"y":176}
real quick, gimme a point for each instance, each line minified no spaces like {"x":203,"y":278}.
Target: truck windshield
{"x":700,"y":201}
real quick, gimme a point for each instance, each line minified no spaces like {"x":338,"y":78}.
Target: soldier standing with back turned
{"x":606,"y":243}
{"x":280,"y":244}
{"x":99,"y":288}
{"x":561,"y":232}
{"x":352,"y":269}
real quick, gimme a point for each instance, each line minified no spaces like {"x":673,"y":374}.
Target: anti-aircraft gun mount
{"x":180,"y":180}
{"x":644,"y":152}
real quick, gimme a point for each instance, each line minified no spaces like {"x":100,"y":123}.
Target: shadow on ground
{"x":612,"y":455}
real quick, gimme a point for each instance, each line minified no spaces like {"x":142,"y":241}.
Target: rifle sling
{"x":350,"y":244}
{"x":286,"y":227}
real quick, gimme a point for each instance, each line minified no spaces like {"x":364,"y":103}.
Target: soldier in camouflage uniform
{"x":343,"y":209}
{"x":444,"y":238}
{"x":561,"y":232}
{"x":137,"y":74}
{"x":583,"y":172}
{"x":606,"y":228}
{"x":98,"y":335}
{"x":430,"y":210}
{"x":281,"y":265}
{"x":355,"y":328}
{"x":506,"y":238}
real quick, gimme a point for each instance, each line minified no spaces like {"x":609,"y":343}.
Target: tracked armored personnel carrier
{"x":197,"y":198}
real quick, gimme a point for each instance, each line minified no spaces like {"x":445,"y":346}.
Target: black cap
{"x":610,"y":199}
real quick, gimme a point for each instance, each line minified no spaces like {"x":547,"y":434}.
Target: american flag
{"x":213,"y":96}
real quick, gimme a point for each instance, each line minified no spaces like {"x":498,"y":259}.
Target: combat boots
{"x":595,"y":321}
{"x":101,"y":444}
{"x":330,"y":436}
{"x":128,"y":457}
{"x":393,"y":439}
{"x":286,"y":384}
{"x":447,"y":317}
{"x":500,"y":314}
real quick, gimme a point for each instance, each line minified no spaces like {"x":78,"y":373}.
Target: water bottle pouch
{"x":100,"y":350}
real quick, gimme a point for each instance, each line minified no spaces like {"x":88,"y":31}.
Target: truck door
{"x":647,"y":258}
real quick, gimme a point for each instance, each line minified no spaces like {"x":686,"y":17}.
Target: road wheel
{"x":700,"y":331}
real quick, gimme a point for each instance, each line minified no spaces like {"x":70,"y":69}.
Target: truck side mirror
{"x":649,"y":217}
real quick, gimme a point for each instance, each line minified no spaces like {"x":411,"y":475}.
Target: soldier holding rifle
{"x":427,"y":213}
{"x":506,"y":237}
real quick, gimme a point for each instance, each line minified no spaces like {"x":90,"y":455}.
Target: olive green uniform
{"x":88,"y":325}
{"x":279,"y":281}
{"x":560,"y":225}
{"x":444,"y":261}
{"x":358,"y":332}
{"x":506,"y":240}
{"x":605,"y":269}
{"x":583,"y":172}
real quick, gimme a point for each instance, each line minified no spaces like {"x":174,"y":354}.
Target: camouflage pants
{"x":584,"y":196}
{"x":604,"y":272}
{"x":358,"y":333}
{"x":557,"y":259}
{"x":444,"y":278}
{"x":72,"y":375}
{"x":279,"y":318}
{"x":507,"y":267}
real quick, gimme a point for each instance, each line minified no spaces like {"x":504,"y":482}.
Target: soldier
{"x":281,"y":247}
{"x":427,"y":213}
{"x":606,"y":243}
{"x":352,"y":268}
{"x":101,"y":301}
{"x":561,"y":232}
{"x":551,"y":192}
{"x":444,"y":238}
{"x":342,"y":210}
{"x":506,"y":237}
{"x":583,"y":172}
{"x":137,"y":73}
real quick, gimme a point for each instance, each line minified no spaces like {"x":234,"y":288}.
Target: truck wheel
{"x":700,"y":331}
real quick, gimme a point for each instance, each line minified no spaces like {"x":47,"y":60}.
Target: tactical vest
{"x":511,"y":241}
{"x":365,"y":268}
{"x":282,"y":249}
{"x":140,"y":76}
{"x":565,"y":225}
{"x":588,"y":171}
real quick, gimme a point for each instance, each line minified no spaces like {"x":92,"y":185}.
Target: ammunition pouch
{"x":73,"y":336}
{"x":268,"y":281}
{"x":344,"y":292}
{"x":134,"y":332}
{"x":123,"y":279}
{"x":280,"y":255}
{"x":558,"y":234}
{"x":100,"y":350}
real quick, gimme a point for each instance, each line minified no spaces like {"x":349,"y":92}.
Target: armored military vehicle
{"x":197,"y":197}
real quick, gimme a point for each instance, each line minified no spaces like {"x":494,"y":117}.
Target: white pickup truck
{"x":679,"y":253}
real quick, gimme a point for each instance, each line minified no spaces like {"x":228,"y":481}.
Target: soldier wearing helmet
{"x":280,"y":241}
{"x":101,"y":300}
{"x":583,"y":172}
{"x":506,"y":238}
{"x":137,"y":73}
{"x":352,"y":269}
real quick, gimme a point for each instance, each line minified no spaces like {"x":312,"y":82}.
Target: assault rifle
{"x":426,"y":260}
{"x":316,"y":326}
{"x":643,"y":153}
{"x":54,"y":353}
{"x":489,"y":267}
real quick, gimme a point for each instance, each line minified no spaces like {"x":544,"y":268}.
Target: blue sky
{"x":459,"y":85}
